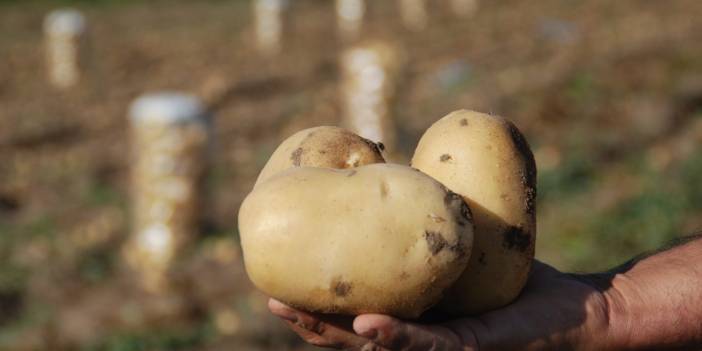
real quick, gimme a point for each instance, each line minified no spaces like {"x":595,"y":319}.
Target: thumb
{"x":397,"y":335}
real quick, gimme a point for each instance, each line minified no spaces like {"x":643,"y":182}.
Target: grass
{"x":591,"y":239}
{"x":582,"y":88}
{"x":100,"y":194}
{"x":574,"y":176}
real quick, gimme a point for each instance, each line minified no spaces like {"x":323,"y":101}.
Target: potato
{"x":326,"y":147}
{"x":379,"y":238}
{"x":486,"y":160}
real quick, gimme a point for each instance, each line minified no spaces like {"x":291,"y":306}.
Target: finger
{"x":471,"y":332}
{"x":320,"y":330}
{"x":397,"y":335}
{"x":282,"y":310}
{"x":313,"y":338}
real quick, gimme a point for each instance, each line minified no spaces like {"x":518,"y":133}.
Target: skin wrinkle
{"x":606,"y":310}
{"x":448,"y":342}
{"x":483,"y":324}
{"x":646,"y":289}
{"x":370,"y":347}
{"x":467,"y":338}
{"x":619,"y":303}
{"x":315,"y":326}
{"x":311,"y":338}
{"x":392,"y":339}
{"x":318,"y":327}
{"x":435,"y":346}
{"x":459,"y":336}
{"x":596,"y":318}
{"x":399,"y":343}
{"x":486,"y":333}
{"x":607,"y":316}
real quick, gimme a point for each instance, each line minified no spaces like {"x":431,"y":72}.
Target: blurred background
{"x":608,"y":93}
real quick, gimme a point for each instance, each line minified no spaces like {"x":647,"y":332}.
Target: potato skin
{"x":326,"y":147}
{"x":487,"y":160}
{"x":379,"y":238}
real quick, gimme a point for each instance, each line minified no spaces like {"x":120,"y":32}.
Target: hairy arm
{"x":655,"y":302}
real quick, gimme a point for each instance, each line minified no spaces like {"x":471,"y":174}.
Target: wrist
{"x":650,"y":301}
{"x":606,"y":326}
{"x":619,"y":301}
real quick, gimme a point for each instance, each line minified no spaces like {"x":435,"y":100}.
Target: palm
{"x":552,"y":311}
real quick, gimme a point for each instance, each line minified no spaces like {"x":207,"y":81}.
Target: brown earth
{"x":612,"y":80}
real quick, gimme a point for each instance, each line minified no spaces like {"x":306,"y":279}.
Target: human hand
{"x":556,"y":311}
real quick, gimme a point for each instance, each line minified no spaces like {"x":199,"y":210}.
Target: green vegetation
{"x":600,"y":238}
{"x":97,"y":265}
{"x":100,"y":194}
{"x":171,"y":340}
{"x":575,"y":176}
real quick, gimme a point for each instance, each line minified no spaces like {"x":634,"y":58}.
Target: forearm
{"x":656,"y":302}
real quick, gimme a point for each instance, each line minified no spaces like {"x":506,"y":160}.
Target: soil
{"x":610,"y":78}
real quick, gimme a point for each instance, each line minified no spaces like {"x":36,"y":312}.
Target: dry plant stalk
{"x":170,"y":138}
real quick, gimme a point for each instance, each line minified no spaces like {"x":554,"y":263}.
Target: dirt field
{"x":608,"y":93}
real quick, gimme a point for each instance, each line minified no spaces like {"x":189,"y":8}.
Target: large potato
{"x":326,"y":147}
{"x":486,"y":160}
{"x":379,"y":238}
